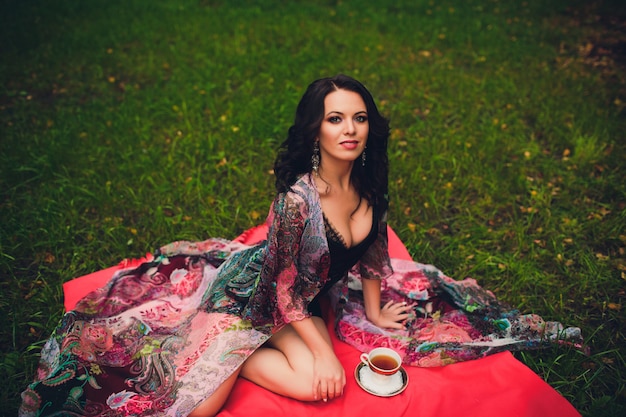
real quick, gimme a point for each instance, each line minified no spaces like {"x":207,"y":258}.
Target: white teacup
{"x":383,"y":362}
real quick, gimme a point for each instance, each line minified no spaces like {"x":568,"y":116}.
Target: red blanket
{"x":498,"y":385}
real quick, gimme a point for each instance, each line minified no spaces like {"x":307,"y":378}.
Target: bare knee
{"x":272,"y":370}
{"x":305,"y":393}
{"x":285,"y":365}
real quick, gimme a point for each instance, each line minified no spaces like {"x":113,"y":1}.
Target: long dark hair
{"x":294,"y":155}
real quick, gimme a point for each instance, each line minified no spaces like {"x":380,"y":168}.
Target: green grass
{"x":125,"y":125}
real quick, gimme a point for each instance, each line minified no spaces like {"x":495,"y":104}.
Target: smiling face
{"x":344,"y":129}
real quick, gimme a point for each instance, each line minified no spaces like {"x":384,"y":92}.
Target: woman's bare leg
{"x":213,"y":404}
{"x":284,"y":365}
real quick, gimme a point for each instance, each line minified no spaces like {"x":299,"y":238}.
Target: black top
{"x":342,"y":258}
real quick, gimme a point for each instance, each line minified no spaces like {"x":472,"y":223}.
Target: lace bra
{"x":342,"y":258}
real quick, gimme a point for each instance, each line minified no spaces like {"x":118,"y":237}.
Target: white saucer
{"x":381,"y":393}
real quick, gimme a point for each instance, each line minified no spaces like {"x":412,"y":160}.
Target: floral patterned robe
{"x":160,"y":338}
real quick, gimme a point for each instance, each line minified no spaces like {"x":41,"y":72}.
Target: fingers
{"x":317,"y":394}
{"x":337,"y":389}
{"x":324,"y":391}
{"x":398,"y":309}
{"x":404,"y":306}
{"x":329,"y":390}
{"x":396,"y":325}
{"x":394,"y":315}
{"x":390,"y":305}
{"x":330,"y":394}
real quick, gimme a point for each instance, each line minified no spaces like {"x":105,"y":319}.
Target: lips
{"x":350,"y":144}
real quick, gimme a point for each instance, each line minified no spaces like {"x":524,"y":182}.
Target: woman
{"x":171,"y":336}
{"x":333,"y":167}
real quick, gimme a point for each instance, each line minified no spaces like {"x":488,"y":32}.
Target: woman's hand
{"x":329,"y":377}
{"x":391,"y":315}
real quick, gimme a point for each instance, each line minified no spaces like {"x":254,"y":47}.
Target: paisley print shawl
{"x":451,"y":321}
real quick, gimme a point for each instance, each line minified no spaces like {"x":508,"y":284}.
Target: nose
{"x":350,"y":128}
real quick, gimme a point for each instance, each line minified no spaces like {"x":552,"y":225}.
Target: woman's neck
{"x":336,"y":177}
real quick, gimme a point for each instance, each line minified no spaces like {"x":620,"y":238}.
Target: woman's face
{"x":344,"y":129}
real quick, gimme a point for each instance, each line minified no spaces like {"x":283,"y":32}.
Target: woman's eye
{"x":334,"y":119}
{"x":361,"y":119}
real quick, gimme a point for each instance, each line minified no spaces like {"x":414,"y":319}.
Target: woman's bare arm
{"x":391,"y":315}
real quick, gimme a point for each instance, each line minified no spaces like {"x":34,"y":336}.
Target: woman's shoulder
{"x":302,"y":190}
{"x":305,"y":183}
{"x":301,"y":195}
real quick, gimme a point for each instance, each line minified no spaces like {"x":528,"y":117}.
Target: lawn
{"x":125,"y":125}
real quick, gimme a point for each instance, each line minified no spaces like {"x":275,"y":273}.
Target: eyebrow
{"x":340,"y":113}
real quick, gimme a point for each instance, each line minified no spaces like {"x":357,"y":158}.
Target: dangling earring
{"x":363,"y":158}
{"x":315,"y":158}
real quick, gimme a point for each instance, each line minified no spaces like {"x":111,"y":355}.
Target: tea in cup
{"x":383,"y":362}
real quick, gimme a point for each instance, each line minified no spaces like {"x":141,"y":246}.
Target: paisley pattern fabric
{"x":451,"y":321}
{"x":160,"y":338}
{"x":155,"y":341}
